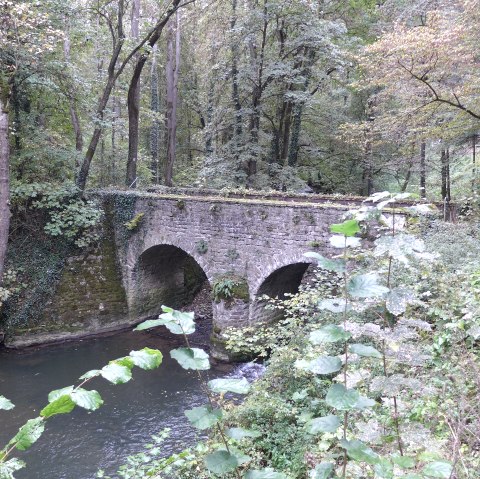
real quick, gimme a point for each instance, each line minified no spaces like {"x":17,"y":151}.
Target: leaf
{"x":347,"y":228}
{"x":146,"y":358}
{"x":399,"y":247}
{"x":380,"y":195}
{"x":366,"y":286}
{"x":221,"y":462}
{"x":336,"y":265}
{"x":334,"y":305}
{"x":439,"y":469}
{"x":366,"y":351}
{"x":324,"y":365}
{"x":116,"y":373}
{"x":28,"y":434}
{"x":203,"y":417}
{"x":177,"y":322}
{"x":322,"y":471}
{"x":237,"y":386}
{"x":90,"y":400}
{"x":384,"y":469}
{"x":239,"y":433}
{"x":323,"y":424}
{"x":360,"y":452}
{"x":9,"y":467}
{"x":341,"y":398}
{"x":398,"y":300}
{"x":6,"y":404}
{"x":331,"y":333}
{"x":264,"y":474}
{"x":338,"y":241}
{"x":58,"y":393}
{"x":191,"y":358}
{"x":404,"y":462}
{"x":90,"y":374}
{"x":62,"y":405}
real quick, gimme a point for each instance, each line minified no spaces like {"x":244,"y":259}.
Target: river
{"x":76,"y":445}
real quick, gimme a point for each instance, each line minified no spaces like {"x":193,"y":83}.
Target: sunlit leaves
{"x":438,"y":469}
{"x":90,"y":400}
{"x":334,"y":305}
{"x":323,"y":424}
{"x":264,"y":474}
{"x":177,"y":322}
{"x":6,"y":404}
{"x":366,"y":351}
{"x":360,"y":452}
{"x":238,"y":386}
{"x":28,"y":434}
{"x":347,"y":228}
{"x":365,"y":286}
{"x":322,"y":471}
{"x":191,"y":358}
{"x":405,"y":462}
{"x":343,"y":399}
{"x":62,"y":405}
{"x":330,"y":333}
{"x":116,"y":373}
{"x":57,"y":393}
{"x":338,"y":241}
{"x":146,"y":358}
{"x":399,"y":247}
{"x":320,"y":365}
{"x":335,"y":265}
{"x":398,"y":299}
{"x":239,"y":433}
{"x":221,"y":462}
{"x":203,"y":417}
{"x":7,"y":468}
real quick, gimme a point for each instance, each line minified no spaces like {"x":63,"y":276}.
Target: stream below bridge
{"x":76,"y":445}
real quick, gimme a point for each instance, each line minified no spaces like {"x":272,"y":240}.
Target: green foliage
{"x":230,"y":287}
{"x":201,"y":247}
{"x":135,"y":222}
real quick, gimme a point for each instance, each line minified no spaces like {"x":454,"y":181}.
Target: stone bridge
{"x":244,"y":246}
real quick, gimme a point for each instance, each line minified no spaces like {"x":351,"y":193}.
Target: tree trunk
{"x":4,"y":184}
{"x":133,"y":103}
{"x":474,"y":162}
{"x":237,"y":131}
{"x":172,"y":70}
{"x":155,"y":108}
{"x":444,"y":159}
{"x":77,"y":129}
{"x":423,"y":175}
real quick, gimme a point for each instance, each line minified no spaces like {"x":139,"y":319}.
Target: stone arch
{"x":165,"y":274}
{"x":278,"y":283}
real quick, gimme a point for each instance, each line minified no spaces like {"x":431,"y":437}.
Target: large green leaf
{"x":238,"y":386}
{"x":365,"y":286}
{"x":191,"y":358}
{"x":324,"y":365}
{"x":337,"y":305}
{"x":438,"y":469}
{"x":221,"y":462}
{"x":146,"y":358}
{"x":398,"y":300}
{"x":347,"y":228}
{"x":177,"y":322}
{"x":58,"y":393}
{"x":338,"y":241}
{"x":264,"y":474}
{"x":336,"y":265}
{"x":7,"y":468}
{"x":404,"y":462}
{"x":203,"y":417}
{"x":399,"y":247}
{"x":331,"y":333}
{"x":323,"y":424}
{"x":358,"y":451}
{"x":6,"y":404}
{"x":90,"y":374}
{"x":28,"y":434}
{"x":341,"y":398}
{"x":116,"y":373}
{"x":323,"y":470}
{"x":239,"y":433}
{"x":364,"y":350}
{"x":384,"y":469}
{"x":62,"y":405}
{"x":90,"y":400}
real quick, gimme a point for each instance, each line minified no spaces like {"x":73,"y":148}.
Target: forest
{"x":373,"y":370}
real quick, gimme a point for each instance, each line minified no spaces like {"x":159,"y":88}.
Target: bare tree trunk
{"x":423,"y":175}
{"x":474,"y":162}
{"x":155,"y":108}
{"x":237,"y":131}
{"x":77,"y":129}
{"x":133,"y":104}
{"x":445,"y":159}
{"x":4,"y":183}
{"x":173,"y":65}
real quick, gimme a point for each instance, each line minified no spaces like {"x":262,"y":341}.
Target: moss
{"x":229,"y":287}
{"x":181,"y":205}
{"x":135,"y":222}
